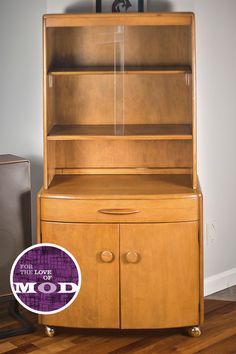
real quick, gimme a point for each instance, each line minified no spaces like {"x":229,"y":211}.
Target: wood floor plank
{"x":57,"y":346}
{"x":153,"y":345}
{"x":101,"y":343}
{"x":6,"y":346}
{"x":219,"y":328}
{"x":27,"y":348}
{"x":214,"y":305}
{"x":227,"y":345}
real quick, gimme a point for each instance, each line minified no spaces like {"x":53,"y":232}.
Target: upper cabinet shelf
{"x":127,"y":131}
{"x":109,"y":70}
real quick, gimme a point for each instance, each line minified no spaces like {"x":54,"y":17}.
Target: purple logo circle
{"x":45,"y":278}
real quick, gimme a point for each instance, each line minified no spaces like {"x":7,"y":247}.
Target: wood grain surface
{"x":164,"y":282}
{"x":97,"y":304}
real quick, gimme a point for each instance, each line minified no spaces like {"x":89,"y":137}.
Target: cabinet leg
{"x":50,"y":331}
{"x":194,"y":331}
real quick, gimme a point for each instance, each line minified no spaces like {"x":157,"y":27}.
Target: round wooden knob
{"x":132,"y":257}
{"x":107,"y":256}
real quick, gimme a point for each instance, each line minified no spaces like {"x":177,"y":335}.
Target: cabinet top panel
{"x":132,"y":19}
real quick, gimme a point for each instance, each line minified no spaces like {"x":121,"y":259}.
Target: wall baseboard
{"x":219,"y":281}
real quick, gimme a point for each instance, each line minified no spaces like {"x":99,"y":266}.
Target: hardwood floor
{"x":219,"y":337}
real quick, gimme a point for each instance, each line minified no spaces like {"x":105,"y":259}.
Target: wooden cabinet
{"x":120,"y":172}
{"x":149,"y":271}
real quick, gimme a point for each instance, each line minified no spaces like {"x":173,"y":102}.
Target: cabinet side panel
{"x":201,"y":258}
{"x":194,"y":104}
{"x":51,"y":161}
{"x":48,"y":110}
{"x":39,"y":229}
{"x":45,"y":107}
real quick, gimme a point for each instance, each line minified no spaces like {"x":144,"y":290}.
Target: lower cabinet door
{"x":159,"y":270}
{"x":96,"y":248}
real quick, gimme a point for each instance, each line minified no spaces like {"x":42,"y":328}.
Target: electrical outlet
{"x":210,"y":233}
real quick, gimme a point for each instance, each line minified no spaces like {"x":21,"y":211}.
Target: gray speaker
{"x":15,"y":214}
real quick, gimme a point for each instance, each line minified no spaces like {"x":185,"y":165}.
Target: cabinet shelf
{"x":129,"y":132}
{"x":110,"y":70}
{"x":120,"y":186}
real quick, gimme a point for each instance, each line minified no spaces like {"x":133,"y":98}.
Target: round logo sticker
{"x":45,"y":278}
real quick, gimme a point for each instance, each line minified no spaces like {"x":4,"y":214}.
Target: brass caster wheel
{"x":194,"y":331}
{"x":50,"y":331}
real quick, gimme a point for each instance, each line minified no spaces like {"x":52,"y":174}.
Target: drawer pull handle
{"x":119,"y":211}
{"x":132,"y":257}
{"x":107,"y":256}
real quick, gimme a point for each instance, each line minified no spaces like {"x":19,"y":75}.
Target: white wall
{"x":70,"y":6}
{"x":21,"y":84}
{"x":216,"y":76}
{"x":21,"y":101}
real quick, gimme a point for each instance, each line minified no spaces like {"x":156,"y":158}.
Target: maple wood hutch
{"x":120,"y":180}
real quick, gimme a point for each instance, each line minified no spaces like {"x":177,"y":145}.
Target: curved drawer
{"x":163,"y":210}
